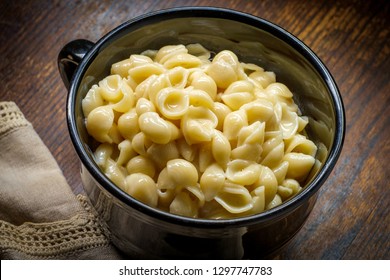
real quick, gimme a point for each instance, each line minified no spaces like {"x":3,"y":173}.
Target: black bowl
{"x":144,"y":232}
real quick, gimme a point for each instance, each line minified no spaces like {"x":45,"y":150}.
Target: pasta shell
{"x":258,"y":200}
{"x":243,"y":172}
{"x":250,"y":152}
{"x":155,"y":128}
{"x":162,"y":153}
{"x":115,"y":173}
{"x":121,"y":68}
{"x":102,"y":153}
{"x":198,"y":125}
{"x":300,"y":144}
{"x":275,"y":202}
{"x":201,"y":98}
{"x":127,"y":100}
{"x":183,"y":205}
{"x":169,"y":51}
{"x":196,"y":193}
{"x":202,"y":81}
{"x":264,"y":78}
{"x":141,"y":72}
{"x":92,"y":100}
{"x":233,"y":123}
{"x":141,"y":164}
{"x":220,"y":148}
{"x":212,"y":181}
{"x":221,"y":111}
{"x":252,"y":134}
{"x":234,"y":198}
{"x":258,"y":110}
{"x":172,"y":103}
{"x":143,"y":188}
{"x":126,"y":152}
{"x":99,"y":122}
{"x":267,"y":179}
{"x":128,"y":124}
{"x":182,"y":172}
{"x":143,"y":106}
{"x":178,"y":77}
{"x":111,"y":88}
{"x":299,"y":165}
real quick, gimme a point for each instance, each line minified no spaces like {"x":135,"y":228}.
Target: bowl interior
{"x":254,"y":41}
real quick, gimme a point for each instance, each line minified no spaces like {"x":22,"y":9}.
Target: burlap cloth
{"x":40,"y":217}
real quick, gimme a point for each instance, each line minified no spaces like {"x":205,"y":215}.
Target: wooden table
{"x":351,"y":219}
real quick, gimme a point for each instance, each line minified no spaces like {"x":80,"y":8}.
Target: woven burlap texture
{"x":40,"y":216}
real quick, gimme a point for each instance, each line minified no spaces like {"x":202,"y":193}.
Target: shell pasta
{"x":198,"y":136}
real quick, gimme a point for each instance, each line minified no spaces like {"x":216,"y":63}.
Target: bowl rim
{"x":226,"y":14}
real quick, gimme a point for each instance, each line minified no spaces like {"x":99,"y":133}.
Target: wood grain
{"x":351,"y":219}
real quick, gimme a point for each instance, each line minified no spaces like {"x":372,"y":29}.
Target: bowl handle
{"x":69,"y":58}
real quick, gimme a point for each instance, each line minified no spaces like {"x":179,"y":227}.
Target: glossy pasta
{"x":198,"y":136}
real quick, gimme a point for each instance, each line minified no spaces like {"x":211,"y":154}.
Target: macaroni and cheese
{"x":198,"y":135}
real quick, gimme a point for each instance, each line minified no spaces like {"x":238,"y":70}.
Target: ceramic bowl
{"x":143,"y":232}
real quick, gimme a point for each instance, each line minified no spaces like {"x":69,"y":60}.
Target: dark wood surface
{"x":351,"y":219}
